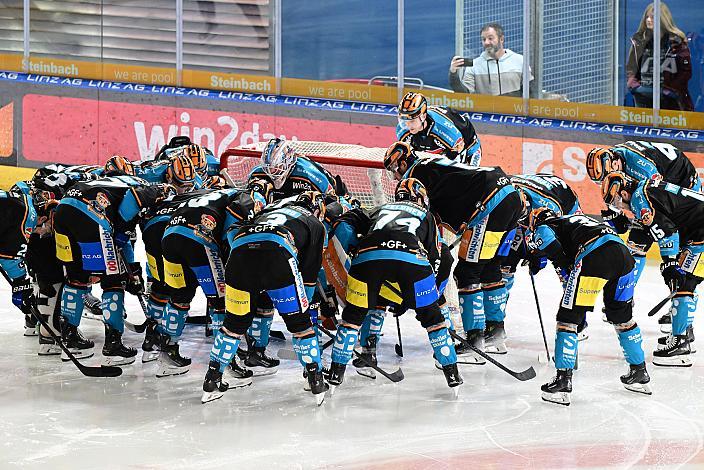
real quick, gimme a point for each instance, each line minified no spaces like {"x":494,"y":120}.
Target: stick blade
{"x":136,"y":328}
{"x":287,"y":354}
{"x":396,"y":376}
{"x":527,"y":374}
{"x":102,"y":371}
{"x":399,"y":350}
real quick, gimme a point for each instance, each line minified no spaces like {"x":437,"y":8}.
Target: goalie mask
{"x":412,"y":190}
{"x":600,"y":162}
{"x":119,"y":165}
{"x":278,"y":161}
{"x":398,"y":159}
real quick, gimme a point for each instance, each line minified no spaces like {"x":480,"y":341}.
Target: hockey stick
{"x":88,"y":371}
{"x":523,"y":375}
{"x":398,"y":347}
{"x":395,"y":376}
{"x":527,"y":374}
{"x":661,"y":304}
{"x":540,"y":316}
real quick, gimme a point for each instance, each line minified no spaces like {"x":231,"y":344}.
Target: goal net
{"x":361,"y":168}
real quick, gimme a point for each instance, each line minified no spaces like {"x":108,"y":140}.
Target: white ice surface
{"x":52,"y":417}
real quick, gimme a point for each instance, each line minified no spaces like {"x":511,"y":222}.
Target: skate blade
{"x":666,"y":328}
{"x":48,"y":350}
{"x":495,"y":349}
{"x":319,"y":398}
{"x":207,"y":397}
{"x":167,"y":371}
{"x":367,"y":372}
{"x":262,"y":371}
{"x":30,"y":332}
{"x":240,"y":382}
{"x":331,"y":390}
{"x":117,"y":360}
{"x":582,"y":337}
{"x":675,"y":361}
{"x":639,"y":388}
{"x":78,"y":354}
{"x":149,"y":356}
{"x":560,"y":398}
{"x":471,"y":359}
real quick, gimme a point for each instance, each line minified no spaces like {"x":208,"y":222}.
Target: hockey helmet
{"x":411,"y":106}
{"x":181,"y":172}
{"x":540,"y":216}
{"x":613,"y":184}
{"x":278,"y":161}
{"x":397,"y":153}
{"x":600,"y":162}
{"x":117,"y":164}
{"x":197,"y":155}
{"x":314,"y":202}
{"x":411,"y":189}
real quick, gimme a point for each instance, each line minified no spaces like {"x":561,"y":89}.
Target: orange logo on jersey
{"x":102,"y":200}
{"x":208,"y":222}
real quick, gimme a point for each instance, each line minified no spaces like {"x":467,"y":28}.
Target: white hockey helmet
{"x":278,"y":160}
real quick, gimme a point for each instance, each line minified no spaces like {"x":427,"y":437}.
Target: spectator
{"x":497,"y":71}
{"x":676,"y":68}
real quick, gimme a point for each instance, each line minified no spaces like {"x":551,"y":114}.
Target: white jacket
{"x":488,"y":76}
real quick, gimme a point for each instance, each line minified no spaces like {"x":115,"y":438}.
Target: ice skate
{"x":495,"y":338}
{"x":453,"y":377}
{"x":637,"y":379}
{"x":582,"y":334}
{"x":47,"y":346}
{"x":317,"y":385}
{"x":675,"y":353}
{"x":80,"y":347}
{"x":170,"y":360}
{"x":558,"y":390}
{"x":213,"y":385}
{"x":30,"y":326}
{"x":662,"y":341}
{"x":239,"y":375}
{"x":335,"y":375}
{"x":259,"y":363}
{"x":150,"y":345}
{"x":114,"y":352}
{"x":367,"y":356}
{"x":465,"y":354}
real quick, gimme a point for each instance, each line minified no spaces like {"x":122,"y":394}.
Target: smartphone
{"x":467,"y":61}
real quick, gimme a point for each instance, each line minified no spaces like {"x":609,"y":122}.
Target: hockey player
{"x":181,"y":175}
{"x":279,"y":253}
{"x":641,"y":161}
{"x":194,"y":250}
{"x":539,"y":190}
{"x":400,"y":247}
{"x":437,"y":130}
{"x":674,"y":217}
{"x":291,"y":174}
{"x":592,"y":258}
{"x":91,"y":225}
{"x":23,"y":215}
{"x":486,"y":218}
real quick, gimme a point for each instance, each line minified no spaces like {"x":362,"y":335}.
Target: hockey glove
{"x":328,"y":305}
{"x":536,"y":264}
{"x":672,"y":273}
{"x":616,"y":219}
{"x":135,"y":281}
{"x":23,"y":295}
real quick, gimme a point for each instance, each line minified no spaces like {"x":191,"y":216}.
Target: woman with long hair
{"x":676,"y":67}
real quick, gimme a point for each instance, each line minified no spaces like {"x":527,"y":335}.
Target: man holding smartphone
{"x":497,"y":71}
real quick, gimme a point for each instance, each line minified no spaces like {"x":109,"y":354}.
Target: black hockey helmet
{"x":411,"y":189}
{"x":314,"y":202}
{"x":539,"y":216}
{"x":614,"y":183}
{"x":412,"y":105}
{"x":600,"y":162}
{"x":119,"y":165}
{"x":397,"y":153}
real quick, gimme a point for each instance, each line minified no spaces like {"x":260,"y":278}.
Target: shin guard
{"x":307,"y":350}
{"x":343,"y":347}
{"x":113,"y":306}
{"x":472,"y":305}
{"x":224,"y":349}
{"x":371,"y":326}
{"x":443,"y":347}
{"x":683,"y":307}
{"x":495,"y":303}
{"x":631,"y":342}
{"x":72,"y":303}
{"x":175,"y":320}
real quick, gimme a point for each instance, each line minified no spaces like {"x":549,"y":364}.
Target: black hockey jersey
{"x":296,"y":228}
{"x":459,"y":193}
{"x":447,"y":132}
{"x":643,"y":160}
{"x":546,"y":190}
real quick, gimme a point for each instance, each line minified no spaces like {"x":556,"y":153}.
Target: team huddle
{"x":293,"y":240}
